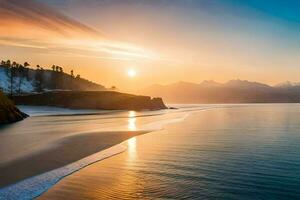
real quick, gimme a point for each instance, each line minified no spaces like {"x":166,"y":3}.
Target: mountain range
{"x":233,"y":91}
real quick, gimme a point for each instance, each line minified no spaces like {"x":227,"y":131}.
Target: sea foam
{"x":33,"y":187}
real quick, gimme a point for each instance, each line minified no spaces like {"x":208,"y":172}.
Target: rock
{"x":9,"y":112}
{"x":104,"y":100}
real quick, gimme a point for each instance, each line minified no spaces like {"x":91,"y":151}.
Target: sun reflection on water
{"x":131,"y":150}
{"x":132,"y":121}
{"x":132,"y":144}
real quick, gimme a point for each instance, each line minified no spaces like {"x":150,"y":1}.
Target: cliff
{"x":8,"y":112}
{"x":28,"y":80}
{"x":104,"y":100}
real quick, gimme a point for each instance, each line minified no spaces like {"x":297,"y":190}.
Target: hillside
{"x":8,"y":112}
{"x":234,"y":91}
{"x":19,"y":79}
{"x":104,"y":100}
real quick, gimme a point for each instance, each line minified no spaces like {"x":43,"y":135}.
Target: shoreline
{"x":35,"y":185}
{"x":161,"y":164}
{"x":68,"y":150}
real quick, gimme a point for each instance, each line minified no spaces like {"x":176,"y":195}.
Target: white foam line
{"x":33,"y":187}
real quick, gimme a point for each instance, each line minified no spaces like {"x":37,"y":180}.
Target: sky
{"x":162,"y":41}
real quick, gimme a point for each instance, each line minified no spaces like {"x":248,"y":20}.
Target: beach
{"x":61,"y":153}
{"x":55,"y":139}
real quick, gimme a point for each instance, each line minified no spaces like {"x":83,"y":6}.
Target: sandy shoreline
{"x":67,"y":150}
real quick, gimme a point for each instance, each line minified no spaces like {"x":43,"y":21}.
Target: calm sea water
{"x":24,"y":146}
{"x":241,"y":152}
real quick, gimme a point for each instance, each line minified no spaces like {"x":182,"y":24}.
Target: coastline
{"x":37,"y":175}
{"x":207,"y":151}
{"x":64,"y":152}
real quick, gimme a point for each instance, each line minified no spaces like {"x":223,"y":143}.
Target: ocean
{"x":247,"y":151}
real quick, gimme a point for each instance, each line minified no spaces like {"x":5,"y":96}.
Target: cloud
{"x":34,"y":13}
{"x":31,"y":24}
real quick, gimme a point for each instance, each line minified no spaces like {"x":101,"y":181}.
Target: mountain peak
{"x":245,"y":83}
{"x":210,"y":83}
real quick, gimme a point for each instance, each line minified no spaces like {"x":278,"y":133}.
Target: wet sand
{"x":63,"y":152}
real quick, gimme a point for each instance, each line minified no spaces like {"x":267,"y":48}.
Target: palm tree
{"x":14,"y":64}
{"x":11,"y":75}
{"x":21,"y":74}
{"x":26,"y":64}
{"x":8,"y":63}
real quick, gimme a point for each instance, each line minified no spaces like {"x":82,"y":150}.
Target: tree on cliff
{"x":26,"y":70}
{"x":11,"y":72}
{"x":39,"y":79}
{"x":21,"y":74}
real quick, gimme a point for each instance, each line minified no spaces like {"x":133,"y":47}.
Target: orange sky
{"x":163,"y":44}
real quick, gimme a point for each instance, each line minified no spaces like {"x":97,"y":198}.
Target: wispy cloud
{"x":30,"y":24}
{"x":42,"y":16}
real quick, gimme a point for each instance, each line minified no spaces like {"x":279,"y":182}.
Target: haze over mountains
{"x":233,"y":91}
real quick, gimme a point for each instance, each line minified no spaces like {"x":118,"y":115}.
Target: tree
{"x":25,"y":70}
{"x":8,"y":63}
{"x":14,"y":64}
{"x":39,"y":79}
{"x":113,"y":87}
{"x":21,"y":75}
{"x":11,"y":75}
{"x":54,"y":77}
{"x":72,"y":73}
{"x":26,"y":64}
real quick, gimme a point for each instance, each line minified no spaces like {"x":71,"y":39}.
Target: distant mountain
{"x":287,"y":84}
{"x":233,"y":91}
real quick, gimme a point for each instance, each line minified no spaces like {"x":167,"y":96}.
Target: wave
{"x":33,"y":187}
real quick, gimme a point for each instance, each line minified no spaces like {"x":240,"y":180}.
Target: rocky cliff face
{"x":8,"y":112}
{"x":104,"y":100}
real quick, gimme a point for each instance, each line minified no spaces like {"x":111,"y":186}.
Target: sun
{"x":131,"y":73}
